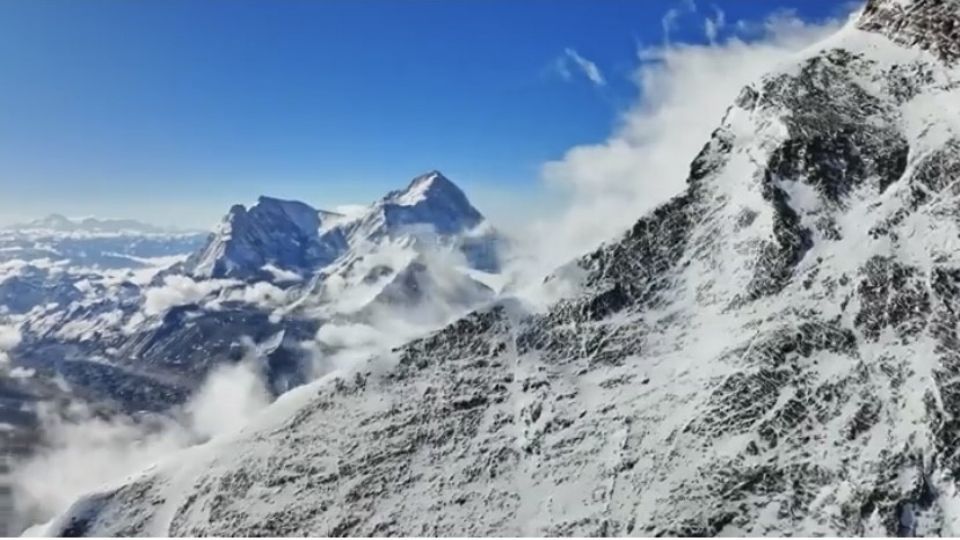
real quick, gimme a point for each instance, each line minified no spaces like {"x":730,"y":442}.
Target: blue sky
{"x":171,"y":110}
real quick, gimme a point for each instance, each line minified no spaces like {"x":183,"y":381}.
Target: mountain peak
{"x":305,"y":217}
{"x":432,"y":199}
{"x":266,"y":200}
{"x":931,"y":25}
{"x":53,"y":221}
{"x":276,"y":232}
{"x":429,"y":185}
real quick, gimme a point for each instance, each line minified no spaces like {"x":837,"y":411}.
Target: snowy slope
{"x":775,"y":351}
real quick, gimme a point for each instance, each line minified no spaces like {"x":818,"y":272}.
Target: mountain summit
{"x":295,"y":237}
{"x":431,"y":204}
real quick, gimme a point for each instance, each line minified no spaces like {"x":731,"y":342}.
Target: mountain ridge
{"x":63,"y":224}
{"x":294,"y":236}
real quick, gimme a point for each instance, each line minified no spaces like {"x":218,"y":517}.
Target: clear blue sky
{"x":173,"y":109}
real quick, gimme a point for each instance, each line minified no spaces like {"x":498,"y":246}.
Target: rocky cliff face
{"x":774,"y":351}
{"x":273,"y":232}
{"x":932,"y":25}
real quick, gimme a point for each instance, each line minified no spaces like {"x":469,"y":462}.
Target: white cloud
{"x":84,"y":452}
{"x":570,"y":61}
{"x":232,"y":395}
{"x":669,"y":20}
{"x":588,"y":68}
{"x":282,"y":276}
{"x":263,"y":294}
{"x":179,"y":291}
{"x":712,"y":26}
{"x":684,"y":90}
{"x":9,"y":338}
{"x":560,"y":66}
{"x":22,"y":373}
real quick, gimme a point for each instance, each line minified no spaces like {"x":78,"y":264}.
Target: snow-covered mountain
{"x":66,"y":283}
{"x":292,"y":237}
{"x":56,"y":241}
{"x":94,"y":250}
{"x":294,"y":283}
{"x":284,"y":235}
{"x":429,"y":199}
{"x":57,"y":223}
{"x":773,"y":352}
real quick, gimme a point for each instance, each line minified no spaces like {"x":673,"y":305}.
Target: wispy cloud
{"x":669,"y":20}
{"x":712,"y":26}
{"x":572,"y":59}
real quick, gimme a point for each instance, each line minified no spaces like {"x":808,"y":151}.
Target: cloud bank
{"x":85,"y":452}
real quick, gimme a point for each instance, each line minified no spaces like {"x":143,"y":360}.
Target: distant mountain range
{"x":57,"y":223}
{"x":129,"y":334}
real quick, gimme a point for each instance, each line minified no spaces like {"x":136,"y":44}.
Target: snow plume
{"x":389,"y":297}
{"x":340,"y":345}
{"x":178,"y":291}
{"x":683,"y":91}
{"x":9,"y":338}
{"x":262,"y":294}
{"x":85,"y":452}
{"x":231,"y":396}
